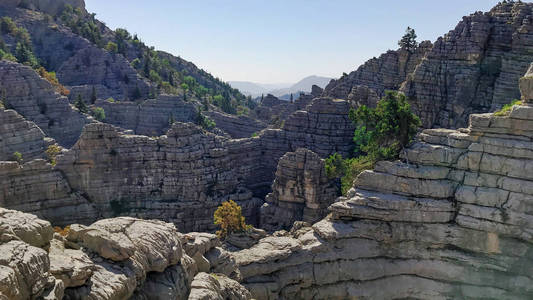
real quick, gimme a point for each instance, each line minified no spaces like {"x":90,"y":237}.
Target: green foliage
{"x":52,"y":152}
{"x":382,"y":132}
{"x":225,"y":104}
{"x":51,"y":77}
{"x":7,"y":56}
{"x":506,"y":109}
{"x":408,"y":40}
{"x":98,"y":113}
{"x":230,"y":219}
{"x":204,"y":121}
{"x":334,"y":166}
{"x":112,"y":47}
{"x":80,"y":105}
{"x":110,"y":100}
{"x":255,"y":134}
{"x":137,"y":93}
{"x":7,"y":26}
{"x":17,"y":156}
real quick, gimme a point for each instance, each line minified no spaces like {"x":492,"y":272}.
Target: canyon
{"x":123,"y":209}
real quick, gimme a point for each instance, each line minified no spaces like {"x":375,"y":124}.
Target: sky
{"x":281,"y":41}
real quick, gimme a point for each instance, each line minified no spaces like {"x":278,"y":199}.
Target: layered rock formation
{"x":300,"y":192}
{"x":180,"y":177}
{"x":475,"y":67}
{"x":451,"y":220}
{"x":35,"y":98}
{"x":119,"y":258}
{"x":79,"y":64}
{"x":38,"y":188}
{"x":236,"y":126}
{"x":19,"y":135}
{"x":387,"y":72}
{"x":149,"y":117}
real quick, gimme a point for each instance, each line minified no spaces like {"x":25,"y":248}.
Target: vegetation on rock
{"x":506,"y":109}
{"x":98,"y":113}
{"x":17,"y":156}
{"x":380,"y":134}
{"x":52,"y":152}
{"x":230,"y":219}
{"x":408,"y":40}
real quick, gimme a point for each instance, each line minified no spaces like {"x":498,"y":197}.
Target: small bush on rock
{"x":17,"y":156}
{"x":52,"y":152}
{"x":230,"y":219}
{"x":506,"y":109}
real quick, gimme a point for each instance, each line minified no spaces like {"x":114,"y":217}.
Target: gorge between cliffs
{"x":410,"y":177}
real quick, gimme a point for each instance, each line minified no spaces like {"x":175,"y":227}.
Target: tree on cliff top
{"x":408,"y":40}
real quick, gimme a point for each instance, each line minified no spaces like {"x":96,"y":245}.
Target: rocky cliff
{"x":19,"y":135}
{"x":451,"y":220}
{"x":387,"y":72}
{"x":35,"y":98}
{"x":475,"y":67}
{"x":300,"y":192}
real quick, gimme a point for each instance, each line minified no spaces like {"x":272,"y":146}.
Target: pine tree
{"x":408,"y":41}
{"x":292,"y":99}
{"x":93,"y":96}
{"x":80,"y":104}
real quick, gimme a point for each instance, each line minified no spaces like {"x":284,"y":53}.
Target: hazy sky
{"x":281,"y":41}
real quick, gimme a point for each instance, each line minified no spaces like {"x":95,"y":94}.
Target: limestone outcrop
{"x":450,"y":220}
{"x":19,"y":135}
{"x":474,"y":68}
{"x":387,"y":72}
{"x":34,"y":98}
{"x":120,"y":258}
{"x":150,"y":117}
{"x":236,"y":126}
{"x":300,"y":192}
{"x":37,"y":187}
{"x":180,"y":177}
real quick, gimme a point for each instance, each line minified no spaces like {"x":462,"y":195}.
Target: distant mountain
{"x":280,"y":90}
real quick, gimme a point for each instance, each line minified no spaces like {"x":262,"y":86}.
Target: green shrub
{"x":204,"y":121}
{"x":112,"y":47}
{"x":7,"y":26}
{"x":380,"y":134}
{"x":383,"y":131}
{"x":506,"y":109}
{"x":98,"y":113}
{"x":17,"y":156}
{"x":52,"y":152}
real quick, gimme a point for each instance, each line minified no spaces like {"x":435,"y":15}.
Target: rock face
{"x":378,"y":74}
{"x":449,"y":221}
{"x":150,"y":117}
{"x":79,"y":64}
{"x":300,"y":192}
{"x":38,"y":188}
{"x":19,"y":135}
{"x":236,"y":126}
{"x":34,"y":98}
{"x":526,"y":85}
{"x":181,"y":177}
{"x":51,"y":7}
{"x":474,"y":68}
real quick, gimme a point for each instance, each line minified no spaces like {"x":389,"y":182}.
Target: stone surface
{"x":236,"y":126}
{"x":301,"y":191}
{"x":35,"y":99}
{"x":370,"y":81}
{"x":526,"y":85}
{"x":452,"y":220}
{"x":215,"y":286}
{"x":19,"y":135}
{"x":474,"y":68}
